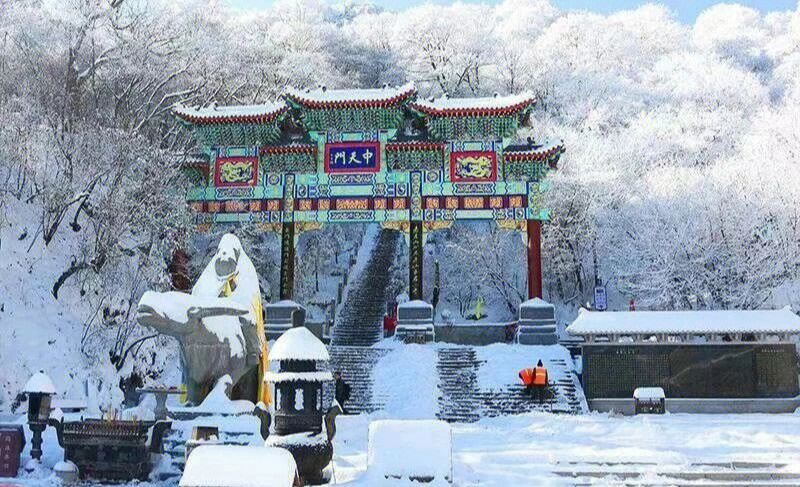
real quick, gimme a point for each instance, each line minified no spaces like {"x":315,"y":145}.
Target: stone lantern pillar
{"x":298,"y":405}
{"x":299,"y":408}
{"x":40,"y":390}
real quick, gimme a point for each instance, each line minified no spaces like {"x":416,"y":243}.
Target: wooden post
{"x":534,"y":259}
{"x":415,"y":261}
{"x":287,"y":260}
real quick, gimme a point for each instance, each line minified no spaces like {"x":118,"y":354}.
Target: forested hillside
{"x":680,"y":187}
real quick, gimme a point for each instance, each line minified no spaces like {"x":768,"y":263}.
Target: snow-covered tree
{"x":679,"y":187}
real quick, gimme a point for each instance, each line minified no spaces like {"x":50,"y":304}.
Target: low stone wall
{"x":704,"y":406}
{"x":471,"y":334}
{"x":688,"y":371}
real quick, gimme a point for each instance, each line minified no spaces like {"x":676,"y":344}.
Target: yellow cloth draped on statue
{"x":263,"y":365}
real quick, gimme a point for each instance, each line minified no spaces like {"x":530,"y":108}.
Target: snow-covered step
{"x":515,"y":400}
{"x":672,"y":483}
{"x":233,"y":430}
{"x":458,"y":389}
{"x":690,"y":476}
{"x":360,"y":322}
{"x":565,"y":394}
{"x":732,"y":464}
{"x":462,"y":400}
{"x":356,"y":365}
{"x":727,"y":474}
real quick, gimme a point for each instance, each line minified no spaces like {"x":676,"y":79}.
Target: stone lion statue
{"x":219,"y":326}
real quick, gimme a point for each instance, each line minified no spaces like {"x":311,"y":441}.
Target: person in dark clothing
{"x":341,"y":391}
{"x":540,"y":382}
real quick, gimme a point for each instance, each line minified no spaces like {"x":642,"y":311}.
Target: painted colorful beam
{"x":369,"y":156}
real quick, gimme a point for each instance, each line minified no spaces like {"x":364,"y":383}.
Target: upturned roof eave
{"x":271,"y":115}
{"x":469,"y":108}
{"x":356,"y":99}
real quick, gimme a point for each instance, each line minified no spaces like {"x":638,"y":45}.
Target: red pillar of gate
{"x":534,"y":259}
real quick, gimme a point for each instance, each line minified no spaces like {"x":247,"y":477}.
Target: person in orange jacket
{"x":535,"y":380}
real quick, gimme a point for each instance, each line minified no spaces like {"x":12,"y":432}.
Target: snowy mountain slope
{"x":37,"y":332}
{"x":41,"y":332}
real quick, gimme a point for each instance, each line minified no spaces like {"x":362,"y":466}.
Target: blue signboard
{"x":353,"y":157}
{"x":600,"y":298}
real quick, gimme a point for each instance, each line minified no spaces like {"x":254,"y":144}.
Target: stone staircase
{"x":707,"y":474}
{"x":458,"y":385}
{"x":356,"y":364}
{"x":461,"y":400}
{"x":360,"y":325}
{"x":562,"y":397}
{"x":173,"y":459}
{"x":360,"y":322}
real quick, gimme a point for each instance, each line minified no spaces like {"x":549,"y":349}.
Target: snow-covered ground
{"x":38,"y":331}
{"x":406,"y":378}
{"x":530,"y":449}
{"x":526,"y":450}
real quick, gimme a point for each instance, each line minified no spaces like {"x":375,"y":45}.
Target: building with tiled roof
{"x":379,"y":155}
{"x":705,"y":361}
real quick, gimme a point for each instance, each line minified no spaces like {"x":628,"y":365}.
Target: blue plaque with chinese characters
{"x":600,"y":298}
{"x":353,"y":157}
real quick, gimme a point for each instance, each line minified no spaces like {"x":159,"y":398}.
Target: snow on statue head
{"x":227,"y":258}
{"x":219,"y":325}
